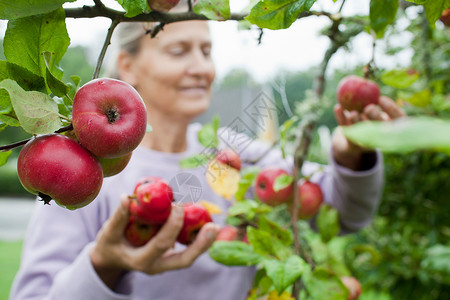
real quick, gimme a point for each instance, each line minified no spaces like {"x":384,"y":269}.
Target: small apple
{"x":353,"y":286}
{"x":355,"y":93}
{"x":55,"y":167}
{"x":195,"y":216}
{"x":113,"y":166}
{"x":264,"y":187}
{"x":109,"y":117}
{"x":138,"y":234}
{"x":230,"y":158}
{"x":162,"y":5}
{"x":311,"y":197}
{"x":152,"y":203}
{"x":227,"y":233}
{"x":145,"y":180}
{"x":445,"y":17}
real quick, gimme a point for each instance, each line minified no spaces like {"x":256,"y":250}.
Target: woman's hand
{"x":112,"y":255}
{"x":349,"y":154}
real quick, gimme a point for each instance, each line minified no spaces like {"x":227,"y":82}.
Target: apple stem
{"x":114,"y":23}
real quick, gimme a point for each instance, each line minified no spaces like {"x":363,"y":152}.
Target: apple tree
{"x":273,"y":237}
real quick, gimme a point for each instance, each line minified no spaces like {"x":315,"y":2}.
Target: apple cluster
{"x":150,"y":207}
{"x":109,"y":120}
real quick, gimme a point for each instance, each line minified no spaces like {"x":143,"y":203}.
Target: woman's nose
{"x":201,"y":63}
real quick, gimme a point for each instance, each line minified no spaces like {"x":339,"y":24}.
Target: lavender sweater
{"x":55,"y":262}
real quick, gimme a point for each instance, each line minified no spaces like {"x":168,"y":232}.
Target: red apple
{"x":264,"y":187}
{"x":55,"y":167}
{"x":227,"y":233}
{"x":152,"y":203}
{"x":138,"y":234}
{"x":162,"y":5}
{"x":230,"y":158}
{"x":311,"y":198}
{"x":113,"y":166}
{"x":109,"y":117}
{"x":195,"y":216}
{"x":355,"y":93}
{"x":353,"y":286}
{"x":445,"y":17}
{"x":145,"y":180}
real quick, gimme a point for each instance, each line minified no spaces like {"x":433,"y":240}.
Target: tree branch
{"x":107,"y":42}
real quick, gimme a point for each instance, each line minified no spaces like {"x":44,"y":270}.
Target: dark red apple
{"x":145,"y":180}
{"x":445,"y":17}
{"x":162,"y":5}
{"x":353,"y":286}
{"x":113,"y":166}
{"x":109,"y":117}
{"x":195,"y":216}
{"x":55,"y":167}
{"x":230,"y":158}
{"x":311,"y":197}
{"x":355,"y":93}
{"x":152,"y":203}
{"x":138,"y":234}
{"x":264,"y":187}
{"x":227,"y":233}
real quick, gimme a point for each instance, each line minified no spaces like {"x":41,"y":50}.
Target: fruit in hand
{"x":353,"y":286}
{"x":152,"y":202}
{"x":162,"y":5}
{"x":109,"y":117}
{"x":445,"y":17}
{"x":195,"y":216}
{"x":227,"y":233}
{"x":138,"y":234}
{"x":55,"y":167}
{"x":355,"y":93}
{"x":230,"y":158}
{"x":264,"y":187}
{"x":113,"y":166}
{"x":311,"y":197}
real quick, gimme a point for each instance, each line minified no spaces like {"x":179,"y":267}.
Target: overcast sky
{"x":296,"y":48}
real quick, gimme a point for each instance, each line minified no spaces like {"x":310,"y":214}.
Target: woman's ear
{"x":125,"y":68}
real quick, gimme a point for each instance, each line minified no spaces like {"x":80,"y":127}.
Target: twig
{"x":21,"y":143}
{"x":107,"y":42}
{"x":189,"y":5}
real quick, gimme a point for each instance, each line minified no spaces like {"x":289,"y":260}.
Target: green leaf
{"x":207,"y":136}
{"x":284,"y":274}
{"x":56,"y":86}
{"x":434,"y":9}
{"x":278,"y":14}
{"x":234,"y":253}
{"x":282,"y":182}
{"x":9,"y":120}
{"x":248,"y":176}
{"x":283,"y":235}
{"x":15,"y":9}
{"x":26,"y":40}
{"x":4,"y":157}
{"x":194,"y":161}
{"x":36,"y":112}
{"x":403,"y":135}
{"x":27,"y":80}
{"x":248,"y":208}
{"x":133,"y":7}
{"x":437,"y":262}
{"x":328,"y":222}
{"x":382,"y":14}
{"x":218,"y":10}
{"x":400,"y":79}
{"x":421,"y":98}
{"x":323,"y":284}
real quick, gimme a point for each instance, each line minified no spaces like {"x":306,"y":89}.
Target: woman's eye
{"x":207,"y":52}
{"x":176,"y":51}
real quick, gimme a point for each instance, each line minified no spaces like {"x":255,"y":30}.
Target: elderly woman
{"x":82,"y":254}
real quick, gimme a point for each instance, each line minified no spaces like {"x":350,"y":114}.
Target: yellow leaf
{"x":273,"y":295}
{"x":223,"y":179}
{"x":212,"y":208}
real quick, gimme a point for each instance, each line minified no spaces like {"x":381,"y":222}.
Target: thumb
{"x":117,"y":222}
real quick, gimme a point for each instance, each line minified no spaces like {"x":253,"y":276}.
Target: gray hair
{"x":127,"y":37}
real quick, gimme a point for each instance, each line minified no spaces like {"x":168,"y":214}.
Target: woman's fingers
{"x":391,"y":108}
{"x":205,"y":238}
{"x":115,"y":225}
{"x":340,"y":115}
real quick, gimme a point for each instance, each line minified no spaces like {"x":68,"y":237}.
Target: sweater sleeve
{"x":55,"y":261}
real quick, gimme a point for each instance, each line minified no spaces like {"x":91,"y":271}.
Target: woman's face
{"x":174,"y":71}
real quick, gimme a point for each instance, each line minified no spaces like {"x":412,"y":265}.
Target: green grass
{"x":9,"y":264}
